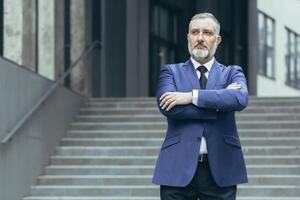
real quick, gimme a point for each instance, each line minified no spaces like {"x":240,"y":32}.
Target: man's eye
{"x":207,"y":32}
{"x":195,"y":32}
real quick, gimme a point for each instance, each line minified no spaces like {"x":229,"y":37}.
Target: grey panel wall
{"x":20,"y":90}
{"x":23,"y":158}
{"x":137,"y":47}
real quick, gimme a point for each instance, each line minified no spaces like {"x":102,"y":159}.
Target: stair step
{"x":148,"y":169}
{"x":141,"y":198}
{"x":95,"y":198}
{"x":163,"y":125}
{"x":269,"y":190}
{"x":150,"y":160}
{"x":146,"y":180}
{"x":158,"y":118}
{"x":154,"y":110}
{"x":109,"y":190}
{"x":103,"y":160}
{"x":142,"y":190}
{"x":99,"y":170}
{"x":141,"y":99}
{"x":152,"y":103}
{"x":247,"y":141}
{"x":96,"y":180}
{"x":154,"y":150}
{"x":137,"y":133}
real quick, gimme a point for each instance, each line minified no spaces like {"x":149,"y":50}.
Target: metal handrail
{"x":11,"y":133}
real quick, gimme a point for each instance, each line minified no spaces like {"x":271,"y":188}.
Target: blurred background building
{"x":138,"y":36}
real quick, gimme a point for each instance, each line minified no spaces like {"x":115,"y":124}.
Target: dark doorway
{"x":67,"y":39}
{"x":1,"y":27}
{"x":164,"y":28}
{"x":96,"y":53}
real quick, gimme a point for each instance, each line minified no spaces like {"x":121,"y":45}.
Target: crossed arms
{"x":179,"y":105}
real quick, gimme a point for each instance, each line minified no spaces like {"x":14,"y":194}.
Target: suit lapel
{"x":191,"y":74}
{"x":213,"y":75}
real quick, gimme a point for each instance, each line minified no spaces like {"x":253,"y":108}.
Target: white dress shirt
{"x":208,"y":65}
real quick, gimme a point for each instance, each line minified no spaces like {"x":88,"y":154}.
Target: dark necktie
{"x":202,"y":69}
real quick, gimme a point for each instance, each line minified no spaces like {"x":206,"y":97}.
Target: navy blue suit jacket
{"x":214,"y":116}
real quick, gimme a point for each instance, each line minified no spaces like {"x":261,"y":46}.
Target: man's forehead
{"x":206,"y":23}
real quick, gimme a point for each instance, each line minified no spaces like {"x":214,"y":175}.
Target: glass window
{"x":163,"y":40}
{"x":293,"y":59}
{"x":1,"y":27}
{"x":266,"y":30}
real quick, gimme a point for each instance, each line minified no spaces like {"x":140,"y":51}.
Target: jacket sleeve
{"x":166,"y":83}
{"x":226,"y":99}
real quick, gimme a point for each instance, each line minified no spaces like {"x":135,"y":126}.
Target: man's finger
{"x":164,"y":95}
{"x":167,"y":103}
{"x":171,"y":106}
{"x":165,"y":98}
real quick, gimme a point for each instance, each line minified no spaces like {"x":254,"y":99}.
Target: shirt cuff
{"x":195,"y":97}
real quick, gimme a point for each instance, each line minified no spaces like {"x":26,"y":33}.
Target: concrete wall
{"x":80,"y":39}
{"x":34,"y":35}
{"x":50,"y":38}
{"x":285,"y":14}
{"x":22,"y":159}
{"x":20,"y":90}
{"x":12,"y":30}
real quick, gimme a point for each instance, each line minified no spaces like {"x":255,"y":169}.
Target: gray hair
{"x":210,"y":16}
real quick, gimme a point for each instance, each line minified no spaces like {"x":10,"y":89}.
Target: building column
{"x":12,"y":28}
{"x":50,"y":38}
{"x":80,"y":76}
{"x":18,"y":28}
{"x":29,"y":50}
{"x":137,"y":48}
{"x":59,"y":36}
{"x":252,"y":46}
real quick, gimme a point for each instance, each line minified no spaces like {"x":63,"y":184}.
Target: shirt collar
{"x":208,"y":65}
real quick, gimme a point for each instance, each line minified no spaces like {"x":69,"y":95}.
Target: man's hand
{"x":234,"y":86}
{"x":170,"y":99}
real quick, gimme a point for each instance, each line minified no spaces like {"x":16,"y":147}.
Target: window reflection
{"x":293,"y":59}
{"x":163,"y":41}
{"x":266,"y":45}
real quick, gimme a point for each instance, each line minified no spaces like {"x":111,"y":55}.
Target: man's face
{"x":203,"y":39}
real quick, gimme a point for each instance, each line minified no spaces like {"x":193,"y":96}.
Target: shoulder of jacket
{"x":233,"y":68}
{"x":174,"y":66}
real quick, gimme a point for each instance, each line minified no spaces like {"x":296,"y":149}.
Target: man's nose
{"x":200,"y":36}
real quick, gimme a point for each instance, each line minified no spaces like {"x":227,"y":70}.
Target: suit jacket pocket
{"x":170,"y":141}
{"x":232,"y":140}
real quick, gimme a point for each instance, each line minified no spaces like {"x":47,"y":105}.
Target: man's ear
{"x":219,"y":39}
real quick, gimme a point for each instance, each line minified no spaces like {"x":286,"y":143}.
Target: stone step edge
{"x":152,"y":167}
{"x":163,"y":130}
{"x":243,"y":114}
{"x":264,"y":147}
{"x":91,"y":198}
{"x":155,"y":157}
{"x":155,"y":187}
{"x":139,"y":198}
{"x":292,"y":176}
{"x":142,"y":139}
{"x":164,"y":123}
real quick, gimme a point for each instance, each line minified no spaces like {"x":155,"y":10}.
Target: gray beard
{"x":199,"y":54}
{"x":202,"y":54}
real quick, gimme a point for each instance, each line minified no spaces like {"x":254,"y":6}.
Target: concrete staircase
{"x":110,"y":150}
